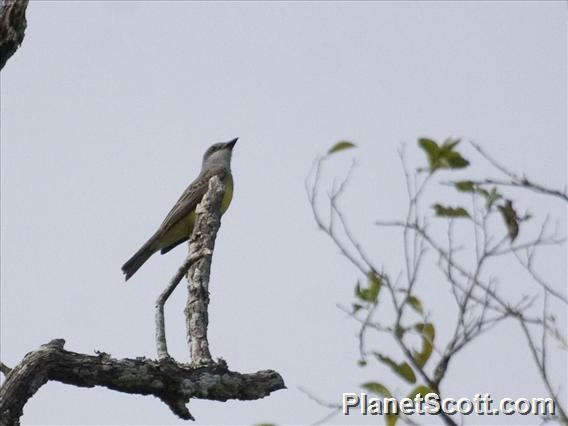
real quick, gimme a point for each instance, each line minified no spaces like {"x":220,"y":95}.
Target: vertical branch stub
{"x":202,"y":243}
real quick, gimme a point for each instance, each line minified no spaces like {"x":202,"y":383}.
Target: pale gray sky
{"x":106,"y":111}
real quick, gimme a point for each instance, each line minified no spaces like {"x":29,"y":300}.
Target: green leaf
{"x":449,"y":158}
{"x":361,"y":363}
{"x":511,"y":219}
{"x":444,"y":211}
{"x":375,"y":283}
{"x":415,"y":303}
{"x":403,"y":369}
{"x":377,"y":388}
{"x":454,"y":160}
{"x":428,"y":333}
{"x":380,"y":389}
{"x":420,"y":389}
{"x":442,"y":157}
{"x":371,"y":293}
{"x":482,"y":192}
{"x":432,"y":151}
{"x":449,"y":145}
{"x":340,"y":146}
{"x":465,"y":186}
{"x":490,"y":197}
{"x":429,"y":146}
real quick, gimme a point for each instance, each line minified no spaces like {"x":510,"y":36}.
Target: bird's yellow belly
{"x":228,"y":196}
{"x":182,"y":230}
{"x":179,"y":232}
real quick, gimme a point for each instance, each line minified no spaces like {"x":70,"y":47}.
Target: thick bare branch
{"x":169,"y":381}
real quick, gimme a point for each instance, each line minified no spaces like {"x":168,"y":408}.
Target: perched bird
{"x":178,"y":224}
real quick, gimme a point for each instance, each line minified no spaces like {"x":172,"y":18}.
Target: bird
{"x":178,"y":224}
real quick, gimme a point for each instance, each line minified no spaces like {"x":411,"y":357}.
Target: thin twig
{"x":542,"y":370}
{"x":312,"y":196}
{"x":504,"y":305}
{"x":517,"y":181}
{"x":161,"y":345}
{"x":334,"y":407}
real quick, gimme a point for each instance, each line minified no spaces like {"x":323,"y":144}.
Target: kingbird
{"x":178,"y":224}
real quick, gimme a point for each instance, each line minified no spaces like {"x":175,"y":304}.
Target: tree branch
{"x":171,"y":382}
{"x":12,"y":27}
{"x":542,"y":369}
{"x":480,"y":306}
{"x":202,"y":244}
{"x":161,"y":345}
{"x":516,"y":180}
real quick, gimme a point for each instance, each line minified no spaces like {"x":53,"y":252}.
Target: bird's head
{"x":219,"y":154}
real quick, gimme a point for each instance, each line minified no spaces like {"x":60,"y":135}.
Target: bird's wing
{"x":191,"y":197}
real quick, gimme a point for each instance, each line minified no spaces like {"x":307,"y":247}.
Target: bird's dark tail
{"x":139,"y":258}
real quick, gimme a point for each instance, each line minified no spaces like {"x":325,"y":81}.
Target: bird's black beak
{"x":232,"y":143}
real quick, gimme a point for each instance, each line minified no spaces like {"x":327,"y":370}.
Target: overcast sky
{"x":108,"y":107}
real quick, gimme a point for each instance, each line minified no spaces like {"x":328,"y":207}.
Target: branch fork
{"x":197,"y":268}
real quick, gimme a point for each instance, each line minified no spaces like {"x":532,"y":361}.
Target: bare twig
{"x":551,"y":241}
{"x":335,"y":408}
{"x":504,"y":305}
{"x":516,"y":180}
{"x":542,"y":369}
{"x":161,"y":345}
{"x":363,"y":329}
{"x":312,"y":192}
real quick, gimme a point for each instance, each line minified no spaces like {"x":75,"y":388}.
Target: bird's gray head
{"x":219,"y":154}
